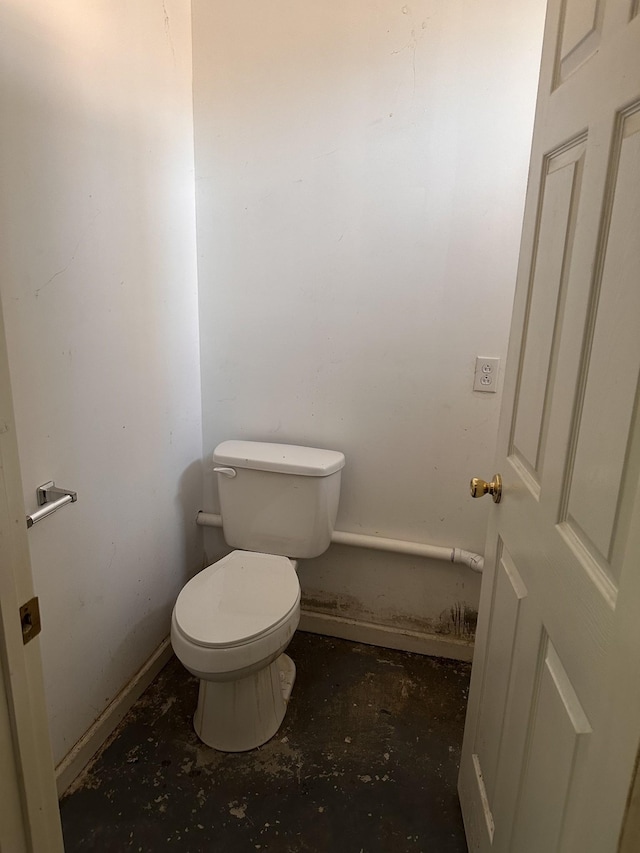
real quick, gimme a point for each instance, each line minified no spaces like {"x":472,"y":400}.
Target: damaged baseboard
{"x":388,"y":637}
{"x":84,"y":750}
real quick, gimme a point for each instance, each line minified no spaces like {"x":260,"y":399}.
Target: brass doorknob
{"x":479,"y":488}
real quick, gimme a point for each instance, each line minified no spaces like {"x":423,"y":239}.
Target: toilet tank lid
{"x":280,"y":458}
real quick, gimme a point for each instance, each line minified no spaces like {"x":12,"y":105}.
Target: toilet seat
{"x":243,"y":596}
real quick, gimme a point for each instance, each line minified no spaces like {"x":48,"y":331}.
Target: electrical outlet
{"x":486,"y":375}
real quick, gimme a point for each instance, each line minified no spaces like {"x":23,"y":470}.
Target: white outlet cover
{"x":486,"y":375}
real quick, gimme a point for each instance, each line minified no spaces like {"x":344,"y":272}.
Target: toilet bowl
{"x":233,"y":621}
{"x":230,"y":626}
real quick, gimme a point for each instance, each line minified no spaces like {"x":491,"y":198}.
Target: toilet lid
{"x":236,"y":599}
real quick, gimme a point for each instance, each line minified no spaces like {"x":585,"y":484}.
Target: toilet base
{"x":235,"y":716}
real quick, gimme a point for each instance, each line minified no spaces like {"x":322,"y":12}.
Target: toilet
{"x":233,"y":621}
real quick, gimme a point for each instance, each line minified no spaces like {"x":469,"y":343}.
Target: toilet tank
{"x":278,"y":498}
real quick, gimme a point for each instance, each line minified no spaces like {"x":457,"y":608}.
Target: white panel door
{"x":553,"y":724}
{"x":29,"y":816}
{"x":13,"y":832}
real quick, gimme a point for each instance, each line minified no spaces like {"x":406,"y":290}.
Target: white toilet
{"x":233,"y":620}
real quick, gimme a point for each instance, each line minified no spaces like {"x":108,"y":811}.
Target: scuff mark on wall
{"x":60,"y":271}
{"x":458,"y":621}
{"x":167,"y":29}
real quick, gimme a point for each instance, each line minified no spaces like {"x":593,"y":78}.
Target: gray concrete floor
{"x":365,"y":762}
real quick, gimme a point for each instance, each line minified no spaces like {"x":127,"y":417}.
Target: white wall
{"x":360,"y":178}
{"x":98,"y":284}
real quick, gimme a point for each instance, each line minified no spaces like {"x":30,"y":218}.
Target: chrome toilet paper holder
{"x":50,"y":498}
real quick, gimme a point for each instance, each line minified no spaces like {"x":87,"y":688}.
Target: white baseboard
{"x":436,"y":645}
{"x":81,"y":754}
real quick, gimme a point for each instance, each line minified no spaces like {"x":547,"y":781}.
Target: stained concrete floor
{"x":365,"y":762}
